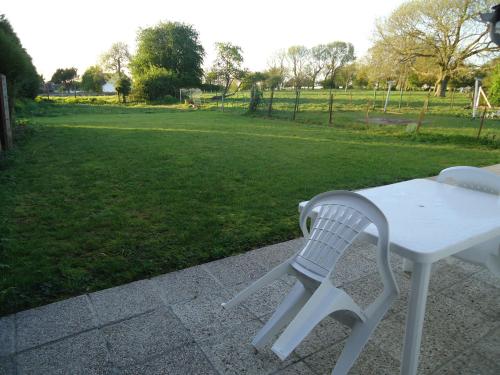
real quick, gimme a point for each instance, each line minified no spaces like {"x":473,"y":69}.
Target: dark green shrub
{"x":155,"y":84}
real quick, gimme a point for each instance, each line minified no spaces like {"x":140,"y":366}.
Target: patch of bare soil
{"x":390,"y":121}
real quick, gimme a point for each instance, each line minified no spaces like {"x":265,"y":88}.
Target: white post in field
{"x":389,"y":86}
{"x":475,"y":100}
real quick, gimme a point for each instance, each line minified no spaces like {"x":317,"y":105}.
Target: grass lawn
{"x":97,"y":196}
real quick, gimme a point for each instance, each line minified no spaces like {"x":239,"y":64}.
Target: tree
{"x":123,"y":86}
{"x":173,"y":47}
{"x":338,"y":54}
{"x":16,"y":64}
{"x":493,"y":81}
{"x":253,"y":78}
{"x":495,"y":88}
{"x":65,"y":77}
{"x":298,"y":62}
{"x":227,"y":65}
{"x":347,"y":74}
{"x":116,"y":59}
{"x":319,"y":61}
{"x":445,"y":32}
{"x":383,"y":65}
{"x":93,"y":79}
{"x":277,"y":70}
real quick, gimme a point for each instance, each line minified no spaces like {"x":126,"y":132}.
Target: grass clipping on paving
{"x":97,"y":196}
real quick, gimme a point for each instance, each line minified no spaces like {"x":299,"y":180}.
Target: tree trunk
{"x":441,"y":85}
{"x":270,"y":108}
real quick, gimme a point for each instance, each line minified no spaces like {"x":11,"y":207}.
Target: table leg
{"x":415,"y":317}
{"x":407,"y":265}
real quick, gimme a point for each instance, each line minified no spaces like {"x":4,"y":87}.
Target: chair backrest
{"x":340,"y":216}
{"x":471,"y":178}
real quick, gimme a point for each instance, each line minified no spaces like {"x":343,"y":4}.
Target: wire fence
{"x":307,"y":104}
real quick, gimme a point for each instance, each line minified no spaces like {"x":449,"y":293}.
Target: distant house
{"x":108,"y":87}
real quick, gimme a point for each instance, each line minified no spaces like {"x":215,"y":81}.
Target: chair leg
{"x":325,"y":300}
{"x":286,"y":311}
{"x":358,"y":338}
{"x":268,"y":278}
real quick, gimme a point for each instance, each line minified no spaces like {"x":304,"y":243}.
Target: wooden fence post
{"x":330,"y":110}
{"x":5,"y":126}
{"x":368,"y":105}
{"x":482,"y":122}
{"x":270,"y":109}
{"x":296,"y":106}
{"x":422,"y":114}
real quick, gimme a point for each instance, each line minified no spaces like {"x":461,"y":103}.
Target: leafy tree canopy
{"x":227,"y":65}
{"x":172,"y":46}
{"x":116,"y":58}
{"x":93,"y":79}
{"x":446,"y":33}
{"x":16,"y":64}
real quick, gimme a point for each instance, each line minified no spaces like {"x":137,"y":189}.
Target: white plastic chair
{"x":488,"y":253}
{"x":340,"y":216}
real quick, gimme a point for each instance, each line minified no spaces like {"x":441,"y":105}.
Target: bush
{"x":155,"y":84}
{"x":211,"y":87}
{"x":494,"y":91}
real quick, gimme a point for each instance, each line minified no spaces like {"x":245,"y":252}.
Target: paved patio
{"x":173,"y":324}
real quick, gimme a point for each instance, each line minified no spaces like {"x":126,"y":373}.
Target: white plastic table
{"x":429,"y":221}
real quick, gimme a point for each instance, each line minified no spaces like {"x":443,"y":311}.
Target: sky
{"x":66,"y":33}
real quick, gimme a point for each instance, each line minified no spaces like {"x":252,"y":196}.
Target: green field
{"x":99,"y":195}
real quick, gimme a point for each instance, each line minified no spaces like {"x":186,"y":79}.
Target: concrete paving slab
{"x":7,"y":336}
{"x":185,"y":360}
{"x":231,"y":352}
{"x":7,"y":366}
{"x":266,"y":300}
{"x":327,"y":333}
{"x":460,"y":323}
{"x":185,"y":285}
{"x":366,"y":289}
{"x":369,"y":251}
{"x":299,"y":368}
{"x":478,"y":295}
{"x":193,"y":334}
{"x":444,"y":275}
{"x":205,"y":317}
{"x":139,"y":338}
{"x":125,"y":301}
{"x":487,"y":277}
{"x":467,"y":267}
{"x":236,"y":269}
{"x":435,"y":349}
{"x":449,"y":329}
{"x":51,"y":322}
{"x":372,"y":360}
{"x":271,"y":256}
{"x":489,"y":346}
{"x":83,"y":354}
{"x":469,"y":363}
{"x":351,"y":266}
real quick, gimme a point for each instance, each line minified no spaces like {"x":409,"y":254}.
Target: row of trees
{"x":421,"y":44}
{"x":22,"y":77}
{"x":169,"y":56}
